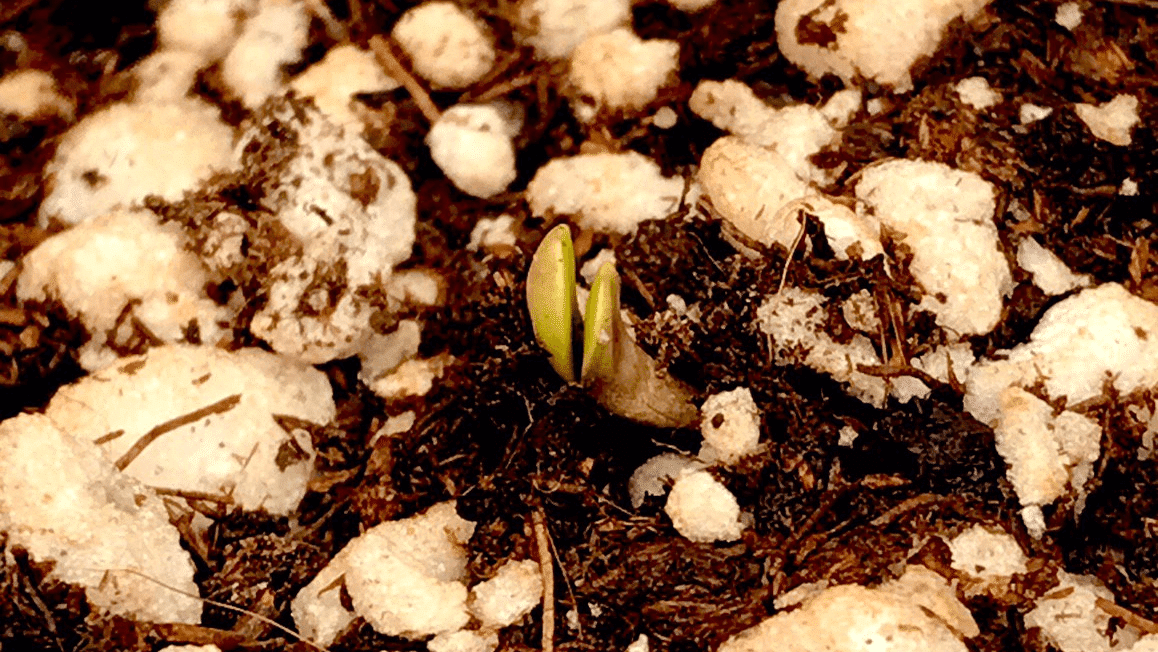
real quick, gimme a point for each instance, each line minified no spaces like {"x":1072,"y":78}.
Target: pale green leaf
{"x":551,"y":298}
{"x":601,"y":325}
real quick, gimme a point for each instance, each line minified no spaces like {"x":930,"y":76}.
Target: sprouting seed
{"x":551,"y":298}
{"x":600,"y":326}
{"x":617,"y":372}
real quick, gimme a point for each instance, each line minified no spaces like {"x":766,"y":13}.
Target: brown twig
{"x":792,"y":249}
{"x":104,"y":439}
{"x":224,"y":405}
{"x":194,"y":495}
{"x":393,"y":67}
{"x":906,"y":506}
{"x":34,"y":595}
{"x":1131,"y":618}
{"x":547,"y":571}
{"x":798,"y":534}
{"x":502,"y":88}
{"x":892,"y":371}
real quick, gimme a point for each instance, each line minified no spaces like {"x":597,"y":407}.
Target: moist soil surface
{"x":506,"y":438}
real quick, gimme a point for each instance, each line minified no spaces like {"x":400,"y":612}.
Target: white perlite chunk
{"x":606,"y":192}
{"x":1068,"y":15}
{"x":383,"y":353}
{"x":919,"y":612}
{"x":119,"y":267}
{"x":447,"y":47}
{"x":412,"y":590}
{"x":794,"y":132}
{"x":64,"y":503}
{"x":879,"y":41}
{"x":749,"y":185}
{"x":860,"y":312}
{"x":464,"y":640}
{"x":985,"y":555}
{"x":730,"y":425}
{"x":762,"y":193}
{"x":206,"y":28}
{"x":29,"y":94}
{"x":975,"y":92}
{"x":590,"y":268}
{"x":493,"y":233}
{"x":653,"y":476}
{"x":166,"y":76}
{"x":1032,"y":113}
{"x":332,"y":83}
{"x":235,"y":448}
{"x":1049,"y":272}
{"x":556,"y":27}
{"x":411,"y":378}
{"x":795,"y":318}
{"x":349,"y":216}
{"x":1098,"y":336}
{"x":317,"y":609}
{"x":472,"y":144}
{"x":945,"y":217}
{"x":508,"y":596}
{"x":404,"y":577}
{"x":639,"y":645}
{"x":273,"y":38}
{"x":618,"y":71}
{"x":702,"y":509}
{"x":936,"y":363}
{"x":1111,"y":121}
{"x":850,"y":235}
{"x":665,"y":118}
{"x":1070,"y":619}
{"x":842,"y":107}
{"x":117,"y":156}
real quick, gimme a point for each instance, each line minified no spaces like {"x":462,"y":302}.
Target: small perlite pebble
{"x":68,"y":507}
{"x":985,"y":555}
{"x":1032,"y":113}
{"x":1111,"y":121}
{"x":556,"y":27}
{"x":472,"y":144}
{"x":32,"y":93}
{"x":610,"y":193}
{"x":124,"y":264}
{"x":405,"y":577}
{"x":976,"y":92}
{"x":618,"y":71}
{"x":918,"y":612}
{"x":512,"y":593}
{"x":254,"y":69}
{"x":665,"y":118}
{"x":702,"y":509}
{"x":207,"y":28}
{"x":876,"y":41}
{"x":1068,"y":15}
{"x":128,"y":150}
{"x":446,"y":46}
{"x":346,"y":70}
{"x":730,"y":424}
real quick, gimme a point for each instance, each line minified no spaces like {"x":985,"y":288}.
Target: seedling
{"x":621,"y":375}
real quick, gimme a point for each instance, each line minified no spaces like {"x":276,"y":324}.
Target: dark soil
{"x":506,"y":438}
